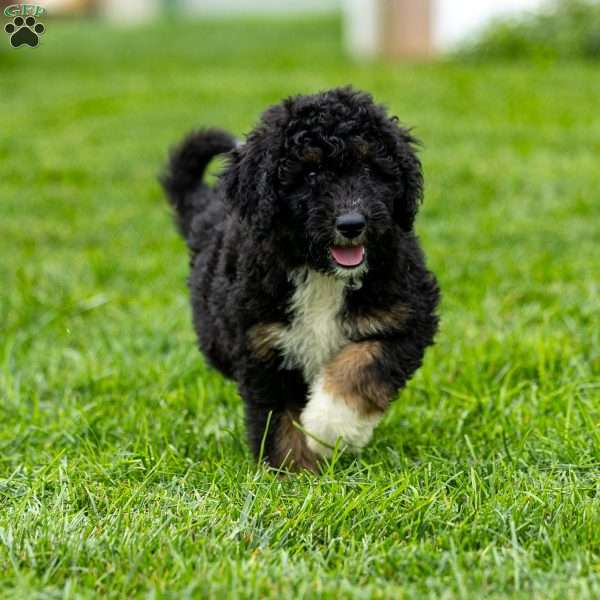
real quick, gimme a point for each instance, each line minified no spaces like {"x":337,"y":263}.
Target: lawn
{"x":123,"y":465}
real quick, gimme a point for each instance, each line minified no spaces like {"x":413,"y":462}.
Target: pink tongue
{"x":348,"y":256}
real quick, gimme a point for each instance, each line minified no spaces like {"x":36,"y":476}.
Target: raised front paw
{"x":347,"y":399}
{"x":327,"y":418}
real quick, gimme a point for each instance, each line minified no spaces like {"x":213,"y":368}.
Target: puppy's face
{"x":331,"y":177}
{"x":338,"y":215}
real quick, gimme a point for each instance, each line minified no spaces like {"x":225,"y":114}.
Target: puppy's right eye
{"x":311,"y":178}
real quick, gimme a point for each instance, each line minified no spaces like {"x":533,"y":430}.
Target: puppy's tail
{"x":185,"y":170}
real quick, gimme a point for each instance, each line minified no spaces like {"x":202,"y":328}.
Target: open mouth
{"x":348,"y":257}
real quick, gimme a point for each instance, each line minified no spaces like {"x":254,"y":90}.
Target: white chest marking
{"x":315,"y":333}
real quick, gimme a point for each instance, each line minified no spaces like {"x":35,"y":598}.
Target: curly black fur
{"x":270,"y":220}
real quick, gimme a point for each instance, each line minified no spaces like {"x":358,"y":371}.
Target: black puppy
{"x":308,"y":285}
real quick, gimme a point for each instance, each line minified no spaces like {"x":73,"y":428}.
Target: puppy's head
{"x":330,"y":178}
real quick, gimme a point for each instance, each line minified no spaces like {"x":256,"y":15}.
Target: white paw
{"x":328,"y":418}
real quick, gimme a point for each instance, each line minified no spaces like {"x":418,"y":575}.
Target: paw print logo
{"x":24,"y":31}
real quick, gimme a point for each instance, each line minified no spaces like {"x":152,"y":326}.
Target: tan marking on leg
{"x":351,"y":376}
{"x":263,"y":339}
{"x":382,"y":320}
{"x":291,"y":450}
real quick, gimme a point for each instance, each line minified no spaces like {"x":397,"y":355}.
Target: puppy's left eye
{"x":311,"y":178}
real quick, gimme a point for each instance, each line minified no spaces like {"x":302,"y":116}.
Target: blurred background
{"x":393,"y":28}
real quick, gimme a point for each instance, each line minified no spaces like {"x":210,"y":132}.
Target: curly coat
{"x":319,"y":343}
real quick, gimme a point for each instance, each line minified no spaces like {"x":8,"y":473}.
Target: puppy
{"x":308,"y":285}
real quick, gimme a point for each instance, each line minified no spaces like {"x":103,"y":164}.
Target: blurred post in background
{"x":392,"y":28}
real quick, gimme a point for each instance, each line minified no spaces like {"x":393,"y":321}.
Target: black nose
{"x":350,"y":225}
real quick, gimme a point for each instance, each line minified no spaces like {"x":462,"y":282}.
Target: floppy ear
{"x":410,"y":174}
{"x":249,"y":186}
{"x":251,"y":177}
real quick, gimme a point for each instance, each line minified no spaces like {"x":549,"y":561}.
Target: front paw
{"x":328,"y":417}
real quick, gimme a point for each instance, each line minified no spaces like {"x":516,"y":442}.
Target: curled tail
{"x":185,"y":170}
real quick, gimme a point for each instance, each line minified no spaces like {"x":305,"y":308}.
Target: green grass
{"x":123,"y":465}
